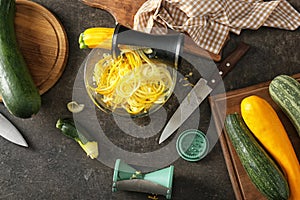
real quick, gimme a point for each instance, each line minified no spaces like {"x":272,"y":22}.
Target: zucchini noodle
{"x":132,"y":81}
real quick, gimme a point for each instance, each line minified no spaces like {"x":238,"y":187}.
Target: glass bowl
{"x":131,"y":88}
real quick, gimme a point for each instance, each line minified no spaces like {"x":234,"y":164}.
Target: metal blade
{"x":190,"y":103}
{"x":10,"y":132}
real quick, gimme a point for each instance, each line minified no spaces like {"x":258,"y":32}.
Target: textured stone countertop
{"x":55,"y":167}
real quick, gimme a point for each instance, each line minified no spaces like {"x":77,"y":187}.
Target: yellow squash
{"x":96,"y":37}
{"x":265,"y":124}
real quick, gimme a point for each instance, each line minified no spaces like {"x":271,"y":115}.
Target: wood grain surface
{"x":124,"y":12}
{"x":43,"y":43}
{"x":242,"y":185}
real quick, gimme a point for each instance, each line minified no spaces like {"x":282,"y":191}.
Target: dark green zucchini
{"x":285,"y":92}
{"x":68,"y":128}
{"x":17,"y":88}
{"x":261,"y":169}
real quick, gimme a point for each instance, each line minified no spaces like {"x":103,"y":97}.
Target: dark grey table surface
{"x":55,"y":167}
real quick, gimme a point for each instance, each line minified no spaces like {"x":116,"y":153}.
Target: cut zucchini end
{"x":82,"y":45}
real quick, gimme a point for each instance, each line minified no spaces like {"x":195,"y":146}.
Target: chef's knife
{"x":10,"y":132}
{"x":200,"y":91}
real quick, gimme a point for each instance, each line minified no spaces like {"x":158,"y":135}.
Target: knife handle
{"x":228,"y":64}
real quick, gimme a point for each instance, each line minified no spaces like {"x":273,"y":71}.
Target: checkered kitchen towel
{"x":208,"y":22}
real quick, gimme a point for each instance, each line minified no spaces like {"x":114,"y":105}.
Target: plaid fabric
{"x":208,"y":22}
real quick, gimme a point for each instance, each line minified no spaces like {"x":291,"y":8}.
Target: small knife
{"x":10,"y":132}
{"x":200,"y":91}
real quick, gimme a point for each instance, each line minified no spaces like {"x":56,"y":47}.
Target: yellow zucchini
{"x":265,"y":124}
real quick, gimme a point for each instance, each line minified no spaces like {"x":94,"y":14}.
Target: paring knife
{"x":200,"y":91}
{"x":10,"y":132}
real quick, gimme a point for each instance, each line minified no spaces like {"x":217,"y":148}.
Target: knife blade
{"x":10,"y":132}
{"x":200,"y":91}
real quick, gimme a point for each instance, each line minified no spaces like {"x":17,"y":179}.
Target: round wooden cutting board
{"x":43,"y":43}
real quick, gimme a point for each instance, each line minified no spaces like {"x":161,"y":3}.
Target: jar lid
{"x":192,"y":145}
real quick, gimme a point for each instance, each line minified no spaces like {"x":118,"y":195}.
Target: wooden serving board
{"x":124,"y":12}
{"x":242,"y":185}
{"x":42,"y":41}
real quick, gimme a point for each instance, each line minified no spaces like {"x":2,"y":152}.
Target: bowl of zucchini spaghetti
{"x":133,"y":84}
